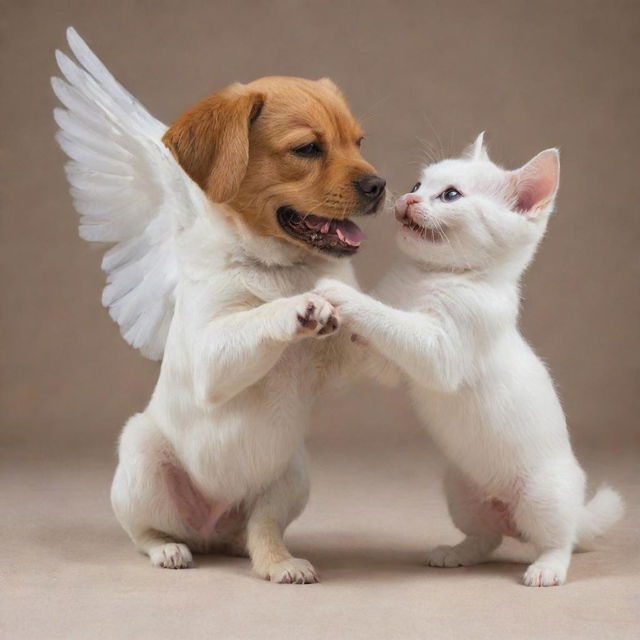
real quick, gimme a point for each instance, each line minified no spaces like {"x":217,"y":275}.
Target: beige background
{"x":419,"y":75}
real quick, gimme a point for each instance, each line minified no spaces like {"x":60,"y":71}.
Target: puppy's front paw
{"x":315,"y":317}
{"x":293,"y":571}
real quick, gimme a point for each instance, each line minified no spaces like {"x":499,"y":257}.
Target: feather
{"x":128,"y":190}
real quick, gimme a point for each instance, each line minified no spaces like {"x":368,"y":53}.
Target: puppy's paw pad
{"x":541,"y":574}
{"x":306,"y":317}
{"x":316,"y":317}
{"x":293,"y":571}
{"x":173,"y":555}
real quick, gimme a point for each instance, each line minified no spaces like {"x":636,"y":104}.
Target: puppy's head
{"x":284,"y":155}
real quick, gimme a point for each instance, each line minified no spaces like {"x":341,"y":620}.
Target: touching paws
{"x":336,"y":292}
{"x":315,"y":317}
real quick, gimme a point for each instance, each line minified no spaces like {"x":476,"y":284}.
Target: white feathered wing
{"x":129,"y":190}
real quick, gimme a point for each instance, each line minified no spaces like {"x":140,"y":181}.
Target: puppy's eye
{"x":450,"y":194}
{"x":311,"y":150}
{"x":416,"y":186}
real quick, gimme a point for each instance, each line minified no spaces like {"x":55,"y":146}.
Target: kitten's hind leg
{"x":550,"y":569}
{"x":547,"y":514}
{"x":472,"y":550}
{"x":468,"y":514}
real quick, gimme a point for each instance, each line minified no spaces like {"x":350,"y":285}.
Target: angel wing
{"x":129,"y":191}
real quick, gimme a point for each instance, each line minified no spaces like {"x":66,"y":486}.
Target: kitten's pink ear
{"x":536,"y":184}
{"x":477,"y":149}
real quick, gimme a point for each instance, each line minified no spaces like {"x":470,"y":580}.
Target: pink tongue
{"x":350,"y":232}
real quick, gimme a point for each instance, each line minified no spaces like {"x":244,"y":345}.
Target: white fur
{"x":223,"y":308}
{"x":486,"y":398}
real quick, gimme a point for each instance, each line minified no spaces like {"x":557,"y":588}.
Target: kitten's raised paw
{"x":293,"y":571}
{"x":173,"y":555}
{"x":542,"y":574}
{"x":450,"y":556}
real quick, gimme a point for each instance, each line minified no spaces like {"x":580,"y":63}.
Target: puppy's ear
{"x":211,"y":140}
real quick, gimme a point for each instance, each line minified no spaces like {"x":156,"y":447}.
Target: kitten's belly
{"x":494,"y":429}
{"x":459,"y":426}
{"x":499,"y":515}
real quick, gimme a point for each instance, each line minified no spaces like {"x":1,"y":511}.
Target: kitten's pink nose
{"x":404,"y":203}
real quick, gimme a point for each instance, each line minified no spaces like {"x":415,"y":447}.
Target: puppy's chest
{"x":299,"y":363}
{"x":268,"y":284}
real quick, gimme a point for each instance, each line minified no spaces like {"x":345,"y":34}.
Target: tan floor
{"x":68,"y":571}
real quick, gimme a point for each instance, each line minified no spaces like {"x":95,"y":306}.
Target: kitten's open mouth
{"x":427,"y":233}
{"x":330,"y":235}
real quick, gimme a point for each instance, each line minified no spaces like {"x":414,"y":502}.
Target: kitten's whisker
{"x":428,"y":151}
{"x":435,"y":133}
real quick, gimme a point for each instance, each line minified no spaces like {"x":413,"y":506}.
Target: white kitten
{"x":469,"y":229}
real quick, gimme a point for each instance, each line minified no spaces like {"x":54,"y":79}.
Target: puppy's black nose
{"x":370,"y":185}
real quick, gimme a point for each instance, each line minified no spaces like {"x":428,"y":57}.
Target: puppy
{"x":468,"y":230}
{"x":216,"y":461}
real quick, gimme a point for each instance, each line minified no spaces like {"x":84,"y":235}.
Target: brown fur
{"x":238,"y":146}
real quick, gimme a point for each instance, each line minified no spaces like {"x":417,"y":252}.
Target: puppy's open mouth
{"x":428,"y":233}
{"x":337,"y":237}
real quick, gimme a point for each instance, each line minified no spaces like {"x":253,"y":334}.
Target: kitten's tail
{"x":601,"y":512}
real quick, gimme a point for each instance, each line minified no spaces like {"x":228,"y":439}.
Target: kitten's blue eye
{"x":416,"y":186}
{"x":449,"y":195}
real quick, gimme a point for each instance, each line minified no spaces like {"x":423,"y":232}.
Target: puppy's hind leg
{"x":141,"y":496}
{"x":274,"y":509}
{"x":467,"y":512}
{"x":163,"y":551}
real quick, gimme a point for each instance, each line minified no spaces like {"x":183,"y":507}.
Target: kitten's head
{"x":469,"y":213}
